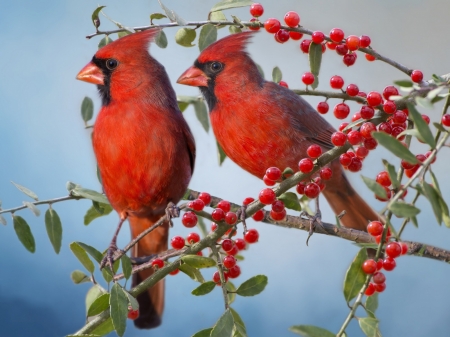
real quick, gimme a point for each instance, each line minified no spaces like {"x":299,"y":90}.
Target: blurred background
{"x":44,"y":144}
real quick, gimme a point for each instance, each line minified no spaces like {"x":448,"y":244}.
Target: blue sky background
{"x":44,"y":144}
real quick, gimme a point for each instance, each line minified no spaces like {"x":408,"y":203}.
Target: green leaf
{"x":433,"y":93}
{"x":104,"y":328}
{"x":224,"y":326}
{"x":220,"y":153}
{"x":25,"y":190}
{"x":227,"y":4}
{"x":131,"y":300}
{"x":310,"y":331}
{"x":369,"y":326}
{"x":315,"y":58}
{"x":103,"y":42}
{"x":94,"y":17}
{"x":208,"y":35}
{"x":97,"y":212}
{"x":24,"y":234}
{"x":107,"y":274}
{"x":366,"y":245}
{"x":174,"y":17}
{"x":375,"y":187}
{"x":91,"y":251}
{"x":122,"y":34}
{"x":204,"y":288}
{"x":182,"y":106}
{"x":217,"y":16}
{"x":355,"y":277}
{"x":395,"y":146}
{"x":161,"y":39}
{"x":372,"y":303}
{"x":100,"y":304}
{"x":54,"y":229}
{"x":126,"y":266}
{"x":290,"y":200}
{"x":87,"y":109}
{"x":185,"y":37}
{"x":404,"y":210}
{"x":414,"y":221}
{"x":404,"y":83}
{"x":423,"y":102}
{"x":192,"y":272}
{"x":201,"y":113}
{"x":32,"y":207}
{"x":260,"y":69}
{"x":392,"y":174}
{"x":203,"y":333}
{"x":231,"y":291}
{"x":198,"y":261}
{"x":156,"y":16}
{"x":421,"y":126}
{"x":439,"y":127}
{"x":119,"y":308}
{"x":3,"y":220}
{"x":78,"y":277}
{"x":93,"y":293}
{"x":433,"y":196}
{"x":253,"y":286}
{"x":239,"y":324}
{"x":90,"y":194}
{"x":82,"y":256}
{"x":233,"y":29}
{"x":276,"y":75}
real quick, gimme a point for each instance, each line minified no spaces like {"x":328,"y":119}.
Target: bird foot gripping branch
{"x":314,"y":219}
{"x":172,"y":211}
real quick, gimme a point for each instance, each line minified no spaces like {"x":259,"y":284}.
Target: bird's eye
{"x":111,"y":64}
{"x":216,"y":66}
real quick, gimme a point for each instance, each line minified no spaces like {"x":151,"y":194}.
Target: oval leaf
{"x":434,"y":198}
{"x":90,"y":194}
{"x":220,"y":153}
{"x":260,"y":70}
{"x":355,"y":277}
{"x":174,"y":17}
{"x":32,"y":207}
{"x":238,"y":323}
{"x":93,"y":293}
{"x":392,"y":174}
{"x":54,"y":229}
{"x":87,"y":109}
{"x":208,"y":35}
{"x":290,"y":200}
{"x":276,"y":75}
{"x":131,"y":300}
{"x":97,"y":212}
{"x":311,"y":331}
{"x":404,"y":210}
{"x":94,"y":16}
{"x":104,"y":328}
{"x":118,"y":302}
{"x":231,"y":291}
{"x":203,"y":333}
{"x":24,"y":234}
{"x":369,"y":326}
{"x":91,"y":251}
{"x":126,"y":266}
{"x":217,"y":16}
{"x":156,"y":16}
{"x":100,"y":304}
{"x":252,"y":286}
{"x":161,"y":39}
{"x":25,"y":190}
{"x":198,"y":261}
{"x":192,"y":272}
{"x":227,"y":4}
{"x":421,"y":125}
{"x":395,"y":146}
{"x":82,"y":256}
{"x":202,"y":114}
{"x":224,"y":326}
{"x":78,"y":277}
{"x":234,"y":29}
{"x":185,"y":37}
{"x":315,"y":57}
{"x":103,"y":42}
{"x":372,"y":303}
{"x":204,"y":288}
{"x":375,"y":187}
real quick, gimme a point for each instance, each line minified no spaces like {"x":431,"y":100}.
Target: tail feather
{"x":151,"y":302}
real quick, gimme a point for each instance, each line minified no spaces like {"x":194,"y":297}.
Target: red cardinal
{"x":144,"y":148}
{"x":260,"y":124}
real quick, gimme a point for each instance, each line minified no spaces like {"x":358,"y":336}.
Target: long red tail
{"x":151,"y":302}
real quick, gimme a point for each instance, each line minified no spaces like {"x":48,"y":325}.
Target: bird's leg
{"x":242,"y":215}
{"x":316,"y":218}
{"x":172,"y":211}
{"x":109,"y":257}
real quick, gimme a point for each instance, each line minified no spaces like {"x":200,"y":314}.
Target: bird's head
{"x":223,"y":68}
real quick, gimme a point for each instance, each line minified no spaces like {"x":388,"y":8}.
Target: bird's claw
{"x":313,"y":219}
{"x":242,"y":215}
{"x":172,"y":211}
{"x":109,"y":258}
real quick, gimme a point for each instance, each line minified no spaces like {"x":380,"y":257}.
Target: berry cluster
{"x":392,"y":251}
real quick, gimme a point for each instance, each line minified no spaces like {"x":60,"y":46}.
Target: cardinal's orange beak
{"x":92,"y":74}
{"x":194,"y":77}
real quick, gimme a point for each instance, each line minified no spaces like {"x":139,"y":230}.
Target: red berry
{"x":174,"y":272}
{"x":256,"y":9}
{"x":370,"y":143}
{"x":197,"y":205}
{"x":399,"y":117}
{"x":404,"y":247}
{"x":343,"y":126}
{"x":322,"y":107}
{"x":383,"y":179}
{"x":361,"y":152}
{"x":281,"y":36}
{"x":341,"y":111}
{"x":356,"y":116}
{"x":247,"y":201}
{"x":410,"y":173}
{"x":326,"y":173}
{"x":230,"y":218}
{"x":367,"y":112}
{"x":416,"y":76}
{"x":314,"y":151}
{"x":446,"y":120}
{"x":370,"y":58}
{"x":389,"y":264}
{"x":234,"y":272}
{"x":338,"y":138}
{"x":370,"y":289}
{"x":369,"y":266}
{"x":389,"y":91}
{"x":388,"y":195}
{"x":308,"y":78}
{"x":251,"y":236}
{"x":229,"y":261}
{"x":332,"y":45}
{"x":304,"y":45}
{"x":189,"y":219}
{"x":295,"y":35}
{"x":300,"y":188}
{"x":258,"y":216}
{"x":355,"y":165}
{"x":345,"y":159}
{"x":426,"y":119}
{"x":336,"y":35}
{"x":364,"y":41}
{"x":312,"y":190}
{"x":352,"y":42}
{"x":389,"y":107}
{"x":283,"y":84}
{"x":317,"y":37}
{"x":216,"y":277}
{"x":278,"y":216}
{"x":272,"y":25}
{"x":349,"y":59}
{"x":158,"y":263}
{"x":193,"y":238}
{"x":273,"y":173}
{"x":233,"y":251}
{"x":205,"y":197}
{"x":133,"y":314}
{"x":379,"y":264}
{"x":385,"y":127}
{"x":305,"y":165}
{"x":375,"y":228}
{"x":227,"y":245}
{"x":278,"y":206}
{"x":255,"y":24}
{"x":367,"y":129}
{"x":374,"y":98}
{"x":341,"y":49}
{"x":354,"y":137}
{"x":267,"y":196}
{"x":268,"y":182}
{"x":218,"y":214}
{"x":177,"y":242}
{"x":213,"y":227}
{"x":393,"y":250}
{"x":378,"y":278}
{"x":336,"y":82}
{"x":224,"y":205}
{"x":240,"y":243}
{"x":352,"y":90}
{"x":292,"y":19}
{"x":380,"y":287}
{"x":421,"y":157}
